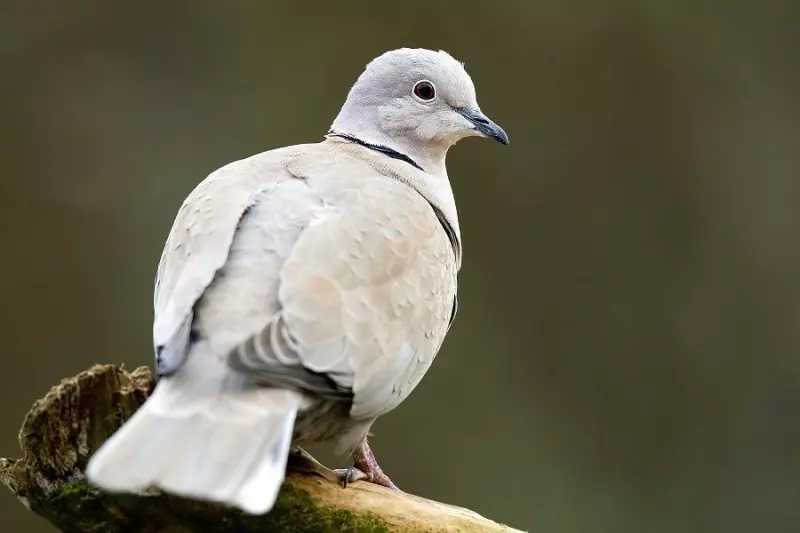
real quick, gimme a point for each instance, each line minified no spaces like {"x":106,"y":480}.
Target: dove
{"x":303,"y":292}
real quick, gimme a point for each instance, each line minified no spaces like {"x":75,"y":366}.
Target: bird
{"x":303,"y":292}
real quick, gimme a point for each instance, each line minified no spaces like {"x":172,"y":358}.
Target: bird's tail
{"x":227,"y":447}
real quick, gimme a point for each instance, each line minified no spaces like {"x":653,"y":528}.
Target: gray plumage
{"x":303,"y":292}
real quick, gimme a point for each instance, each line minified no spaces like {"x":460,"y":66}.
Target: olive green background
{"x":625,"y":357}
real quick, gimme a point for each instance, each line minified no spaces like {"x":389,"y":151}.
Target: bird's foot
{"x":365,"y":468}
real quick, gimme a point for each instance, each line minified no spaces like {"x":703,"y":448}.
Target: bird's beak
{"x":483,"y":125}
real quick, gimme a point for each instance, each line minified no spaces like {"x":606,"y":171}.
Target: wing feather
{"x":198,"y":246}
{"x":366,"y":295}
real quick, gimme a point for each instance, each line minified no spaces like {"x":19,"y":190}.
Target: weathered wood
{"x":64,"y":428}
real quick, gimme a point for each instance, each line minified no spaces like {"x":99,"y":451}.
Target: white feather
{"x":204,"y":438}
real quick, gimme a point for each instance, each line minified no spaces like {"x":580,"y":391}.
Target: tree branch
{"x":64,"y":428}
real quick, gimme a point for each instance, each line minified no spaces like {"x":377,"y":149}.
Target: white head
{"x":416,"y":102}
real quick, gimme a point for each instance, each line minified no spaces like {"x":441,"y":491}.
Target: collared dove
{"x":303,"y":292}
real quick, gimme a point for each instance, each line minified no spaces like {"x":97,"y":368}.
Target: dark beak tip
{"x":498,"y":134}
{"x":483,"y":125}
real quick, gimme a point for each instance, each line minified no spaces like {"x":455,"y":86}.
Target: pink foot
{"x":365,"y":468}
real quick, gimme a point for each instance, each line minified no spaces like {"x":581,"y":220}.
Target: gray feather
{"x":271,"y":358}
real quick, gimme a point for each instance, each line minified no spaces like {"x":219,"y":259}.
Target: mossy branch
{"x":64,"y":428}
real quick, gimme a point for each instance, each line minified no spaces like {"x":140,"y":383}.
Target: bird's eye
{"x":424,"y":90}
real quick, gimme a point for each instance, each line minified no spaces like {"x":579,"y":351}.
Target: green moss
{"x":77,"y":499}
{"x":295,"y":512}
{"x":78,"y":490}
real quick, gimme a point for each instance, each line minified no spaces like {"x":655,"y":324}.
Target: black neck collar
{"x":394,"y":154}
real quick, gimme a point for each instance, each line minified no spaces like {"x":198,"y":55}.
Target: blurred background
{"x":625,"y":357}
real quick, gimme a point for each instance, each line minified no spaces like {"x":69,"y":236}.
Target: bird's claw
{"x":350,"y":475}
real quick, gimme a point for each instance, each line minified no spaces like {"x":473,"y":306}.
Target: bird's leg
{"x":365,"y":467}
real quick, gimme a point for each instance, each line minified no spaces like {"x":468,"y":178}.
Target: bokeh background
{"x":625,"y":357}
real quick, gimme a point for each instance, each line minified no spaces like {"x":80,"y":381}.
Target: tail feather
{"x":232,"y":450}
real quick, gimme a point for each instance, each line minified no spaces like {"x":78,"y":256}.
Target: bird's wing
{"x":366,"y":294}
{"x":198,"y":247}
